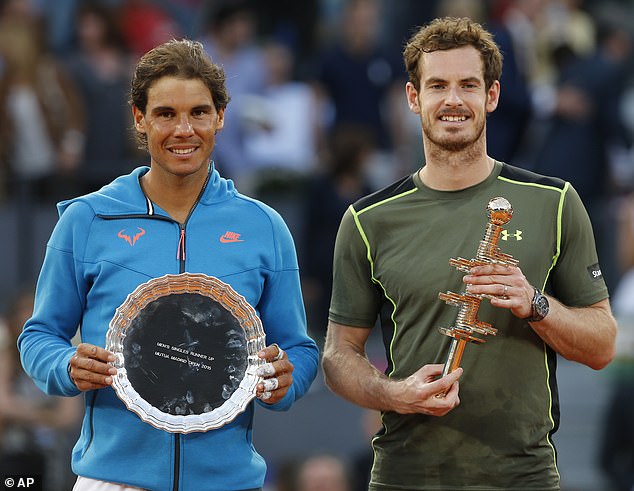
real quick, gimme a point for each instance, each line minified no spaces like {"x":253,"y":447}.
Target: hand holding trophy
{"x":467,"y":325}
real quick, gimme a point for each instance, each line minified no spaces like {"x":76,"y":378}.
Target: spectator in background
{"x":59,"y":20}
{"x":101,"y":67}
{"x":361,"y":81}
{"x":146,"y":25}
{"x":617,"y":450}
{"x":513,"y":29}
{"x":586,"y":124}
{"x":328,"y":195}
{"x":402,"y":17}
{"x":36,"y":431}
{"x":362,"y":462}
{"x":42,"y":130}
{"x":283,"y":122}
{"x":566,"y":30}
{"x":292,"y":23}
{"x":230,"y":39}
{"x":323,"y":473}
{"x":284,"y":476}
{"x":474,"y":9}
{"x":587,"y":117}
{"x":625,"y":238}
{"x":188,"y":14}
{"x":616,"y":447}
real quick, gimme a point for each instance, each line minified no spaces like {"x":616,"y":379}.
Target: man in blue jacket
{"x":176,"y":216}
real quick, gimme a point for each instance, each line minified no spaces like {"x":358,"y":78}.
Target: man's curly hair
{"x":449,"y":33}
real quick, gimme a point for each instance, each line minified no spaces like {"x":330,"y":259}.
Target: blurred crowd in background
{"x":318,"y":117}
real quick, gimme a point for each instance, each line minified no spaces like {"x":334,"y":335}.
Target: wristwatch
{"x":539,"y":307}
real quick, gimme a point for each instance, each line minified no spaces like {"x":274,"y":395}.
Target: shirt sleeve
{"x":356,"y":295}
{"x":283,"y":316}
{"x":577,"y":280}
{"x":45,"y":343}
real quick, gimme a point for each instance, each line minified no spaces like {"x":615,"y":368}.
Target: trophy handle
{"x":456,"y":349}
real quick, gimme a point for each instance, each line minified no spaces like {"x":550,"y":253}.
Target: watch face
{"x":541,"y":306}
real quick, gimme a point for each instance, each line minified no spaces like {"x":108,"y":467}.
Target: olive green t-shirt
{"x":391,"y":262}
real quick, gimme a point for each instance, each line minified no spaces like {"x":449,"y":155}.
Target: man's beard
{"x":451,"y":144}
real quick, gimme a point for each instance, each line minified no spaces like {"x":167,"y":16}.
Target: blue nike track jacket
{"x":105,"y":245}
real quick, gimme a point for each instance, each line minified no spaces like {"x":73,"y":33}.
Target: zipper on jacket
{"x":177,"y":460}
{"x":180,"y":255}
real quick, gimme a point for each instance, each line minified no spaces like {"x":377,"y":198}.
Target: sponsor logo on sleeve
{"x":595,"y":272}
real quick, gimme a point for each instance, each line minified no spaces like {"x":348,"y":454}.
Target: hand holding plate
{"x":89,"y":368}
{"x":277,"y":374}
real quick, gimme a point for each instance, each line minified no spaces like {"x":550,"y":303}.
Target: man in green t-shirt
{"x":392,"y":260}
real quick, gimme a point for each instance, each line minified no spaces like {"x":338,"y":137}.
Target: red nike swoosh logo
{"x":230,"y":237}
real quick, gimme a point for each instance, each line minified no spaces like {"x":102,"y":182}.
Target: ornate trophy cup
{"x":186,"y":352}
{"x":499,"y":211}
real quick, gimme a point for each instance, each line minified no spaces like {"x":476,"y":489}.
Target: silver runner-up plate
{"x":186,"y":352}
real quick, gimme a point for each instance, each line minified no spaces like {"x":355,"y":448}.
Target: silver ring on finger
{"x":280,"y":353}
{"x":265,"y":395}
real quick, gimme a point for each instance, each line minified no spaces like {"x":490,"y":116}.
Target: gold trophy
{"x":499,"y":211}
